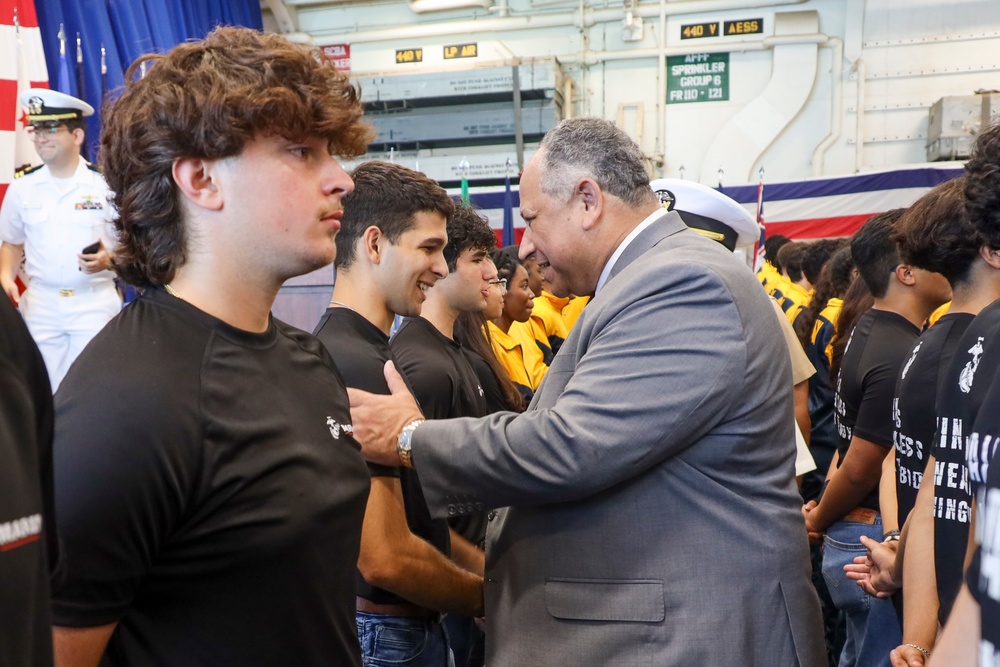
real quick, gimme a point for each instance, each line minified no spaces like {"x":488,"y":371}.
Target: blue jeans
{"x":387,"y":641}
{"x":463,"y":635}
{"x":872,"y":625}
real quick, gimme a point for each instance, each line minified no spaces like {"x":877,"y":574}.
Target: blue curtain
{"x":127,"y":29}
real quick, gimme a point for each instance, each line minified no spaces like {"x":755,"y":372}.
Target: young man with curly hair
{"x":210,"y":494}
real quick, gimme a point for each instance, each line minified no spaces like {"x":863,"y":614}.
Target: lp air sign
{"x":700,"y":77}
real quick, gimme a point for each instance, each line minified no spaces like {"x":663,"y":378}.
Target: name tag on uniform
{"x":31,"y":204}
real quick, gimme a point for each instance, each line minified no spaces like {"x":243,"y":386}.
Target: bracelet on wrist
{"x":926,"y":653}
{"x":891,"y":536}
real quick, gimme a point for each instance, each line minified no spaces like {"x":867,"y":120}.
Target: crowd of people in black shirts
{"x":899,"y":322}
{"x":225,"y":523}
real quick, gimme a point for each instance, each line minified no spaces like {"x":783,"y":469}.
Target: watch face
{"x":403,"y":443}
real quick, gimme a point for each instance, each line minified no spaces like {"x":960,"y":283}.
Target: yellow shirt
{"x":542,"y":341}
{"x":828,"y":317}
{"x":767,"y":274}
{"x":777,"y":286}
{"x":519,"y":354}
{"x":797,"y":298}
{"x":936,"y":315}
{"x":547,"y":315}
{"x":573,"y":310}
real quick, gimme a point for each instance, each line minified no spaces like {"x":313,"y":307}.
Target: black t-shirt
{"x":983,"y":576}
{"x":914,"y":408}
{"x":984,"y":584}
{"x":492,"y":393}
{"x":360,"y":350}
{"x":28,"y":544}
{"x":210,"y":493}
{"x":875,"y":352}
{"x":443,"y":381}
{"x":445,"y":385}
{"x":473,"y":526}
{"x":964,"y":390}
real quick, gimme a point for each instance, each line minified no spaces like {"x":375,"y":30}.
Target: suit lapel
{"x":666,"y":225}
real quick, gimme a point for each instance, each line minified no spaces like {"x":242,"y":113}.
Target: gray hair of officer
{"x":594,"y":148}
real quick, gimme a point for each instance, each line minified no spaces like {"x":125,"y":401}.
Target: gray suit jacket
{"x":651,"y":512}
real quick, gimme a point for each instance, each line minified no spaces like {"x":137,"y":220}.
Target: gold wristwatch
{"x":404,"y":442}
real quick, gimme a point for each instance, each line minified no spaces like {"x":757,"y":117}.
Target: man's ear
{"x":78,"y":137}
{"x":589,"y":194}
{"x":374,"y":243}
{"x":990,"y":255}
{"x":905,"y":275}
{"x":196,"y":179}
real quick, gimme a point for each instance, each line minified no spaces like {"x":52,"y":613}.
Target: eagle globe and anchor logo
{"x":336,"y":428}
{"x":969,"y":372}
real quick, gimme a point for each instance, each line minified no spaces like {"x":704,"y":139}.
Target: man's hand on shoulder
{"x":379,"y":419}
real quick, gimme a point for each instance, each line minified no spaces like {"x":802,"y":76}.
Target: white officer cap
{"x":708,"y":212}
{"x":46,"y":105}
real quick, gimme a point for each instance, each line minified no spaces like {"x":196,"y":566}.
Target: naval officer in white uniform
{"x":58,"y":219}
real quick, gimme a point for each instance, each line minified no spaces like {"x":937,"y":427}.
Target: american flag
{"x":22,"y":66}
{"x":838,"y":205}
{"x":759,"y":249}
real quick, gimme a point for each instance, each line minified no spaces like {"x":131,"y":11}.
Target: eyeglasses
{"x":44,"y":130}
{"x":502,"y":283}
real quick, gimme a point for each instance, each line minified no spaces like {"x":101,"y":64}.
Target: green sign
{"x":699,"y":77}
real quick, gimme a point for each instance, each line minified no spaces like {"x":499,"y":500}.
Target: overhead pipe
{"x":661,"y":87}
{"x":582,"y":19}
{"x":288,"y":24}
{"x":859,"y":124}
{"x":594,"y":57}
{"x":282,"y":16}
{"x":426,"y":6}
{"x":502,"y":8}
{"x":568,"y":97}
{"x":836,"y":108}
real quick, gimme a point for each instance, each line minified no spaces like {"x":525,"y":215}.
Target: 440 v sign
{"x":699,"y":77}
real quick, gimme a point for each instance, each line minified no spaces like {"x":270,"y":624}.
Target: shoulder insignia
{"x":24,"y":170}
{"x":91,"y":166}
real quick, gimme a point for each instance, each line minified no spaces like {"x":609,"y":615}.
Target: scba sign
{"x":700,"y":77}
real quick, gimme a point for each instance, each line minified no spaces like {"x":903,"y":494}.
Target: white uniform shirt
{"x":55,"y":220}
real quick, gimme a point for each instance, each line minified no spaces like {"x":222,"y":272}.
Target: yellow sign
{"x":461,"y":51}
{"x":696,"y":30}
{"x":744,"y":27}
{"x":409,"y":55}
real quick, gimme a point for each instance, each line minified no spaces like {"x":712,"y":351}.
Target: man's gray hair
{"x":594,"y":148}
